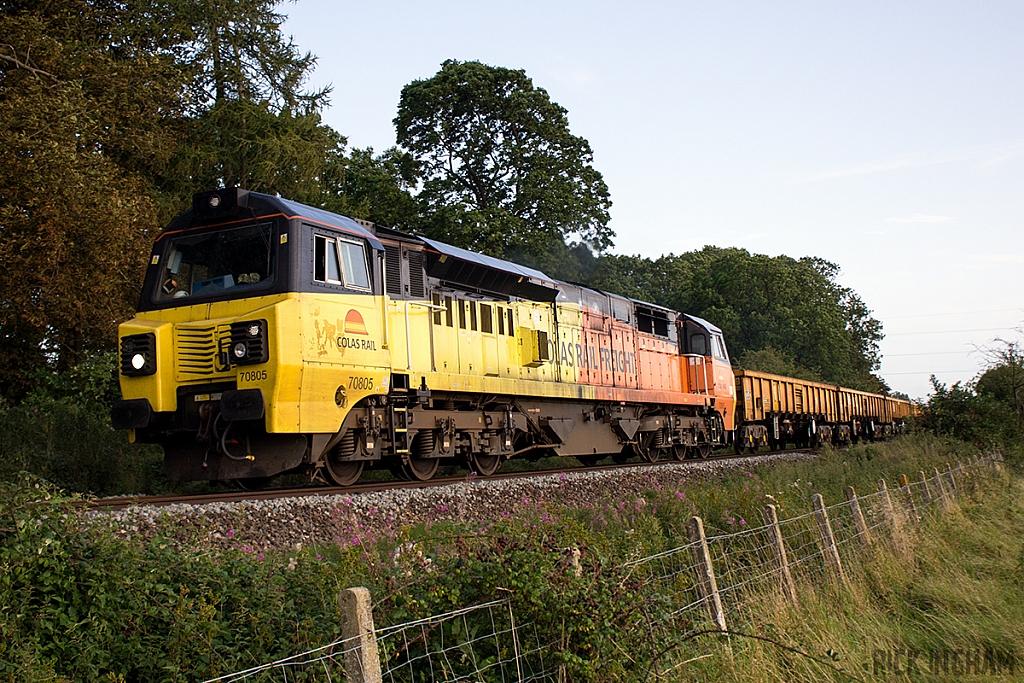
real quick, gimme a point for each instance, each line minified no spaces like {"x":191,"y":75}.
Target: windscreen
{"x":226,"y":264}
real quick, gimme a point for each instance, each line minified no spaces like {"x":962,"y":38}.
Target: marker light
{"x":214,"y":201}
{"x":138,"y":360}
{"x":253,"y":330}
{"x":240,"y":350}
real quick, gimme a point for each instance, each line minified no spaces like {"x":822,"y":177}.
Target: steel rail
{"x":123,"y":502}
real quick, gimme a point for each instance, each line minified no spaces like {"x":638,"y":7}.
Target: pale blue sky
{"x":886,"y":137}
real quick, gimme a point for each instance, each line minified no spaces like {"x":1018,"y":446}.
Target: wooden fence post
{"x":926,"y":490}
{"x":828,"y":541}
{"x":863,"y":533}
{"x":952,"y":479}
{"x":362,"y":662}
{"x":905,"y":487}
{"x":895,"y":522}
{"x":778,"y":544}
{"x":942,"y":496}
{"x":705,"y":572}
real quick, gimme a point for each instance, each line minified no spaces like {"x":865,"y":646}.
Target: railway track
{"x":386,"y":485}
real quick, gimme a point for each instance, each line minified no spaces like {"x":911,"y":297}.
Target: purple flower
{"x":679,"y":494}
{"x":231,"y":533}
{"x":743,"y":522}
{"x":562,"y":477}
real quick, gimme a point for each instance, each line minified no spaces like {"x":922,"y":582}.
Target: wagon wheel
{"x":485,"y":464}
{"x":340,"y":471}
{"x":703,"y":450}
{"x":421,"y":466}
{"x":642,"y":447}
{"x":680,"y":452}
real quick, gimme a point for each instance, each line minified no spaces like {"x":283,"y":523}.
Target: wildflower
{"x":230,"y":533}
{"x":562,"y":477}
{"x":743,"y":522}
{"x":680,"y":495}
{"x":260,"y":557}
{"x":292,"y":563}
{"x":319,"y":556}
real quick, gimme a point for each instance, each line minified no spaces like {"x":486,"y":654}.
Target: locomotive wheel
{"x":679,"y":452}
{"x":421,"y":466}
{"x":344,"y":472}
{"x":485,"y":465}
{"x":421,"y":469}
{"x":703,"y":450}
{"x":643,"y":448}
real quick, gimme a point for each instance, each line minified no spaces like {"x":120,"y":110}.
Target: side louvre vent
{"x":417,"y":288}
{"x":393,"y":268}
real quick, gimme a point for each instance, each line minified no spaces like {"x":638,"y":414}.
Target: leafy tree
{"x":375,"y":188}
{"x":763,"y":304}
{"x":111,"y":115}
{"x":500,"y":171}
{"x":83,"y":89}
{"x":775,"y":362}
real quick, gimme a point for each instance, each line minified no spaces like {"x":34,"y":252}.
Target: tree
{"x":777,"y":313}
{"x":250,"y":121}
{"x":87,"y":99}
{"x":500,"y":171}
{"x":374,"y":188}
{"x":111,"y":115}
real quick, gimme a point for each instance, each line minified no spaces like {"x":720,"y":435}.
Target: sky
{"x":885,"y":137}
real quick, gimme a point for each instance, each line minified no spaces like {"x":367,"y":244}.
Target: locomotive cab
{"x":709,"y":370}
{"x":214,"y":363}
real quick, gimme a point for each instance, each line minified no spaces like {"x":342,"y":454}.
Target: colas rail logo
{"x":355,"y":331}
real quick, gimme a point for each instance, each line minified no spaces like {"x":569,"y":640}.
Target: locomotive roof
{"x":334,"y":220}
{"x":704,"y":323}
{"x":488,"y":261}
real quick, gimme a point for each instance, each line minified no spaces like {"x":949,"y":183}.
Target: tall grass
{"x":950,"y":610}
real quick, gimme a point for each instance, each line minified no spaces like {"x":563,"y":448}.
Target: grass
{"x":951,"y":611}
{"x":80,"y":602}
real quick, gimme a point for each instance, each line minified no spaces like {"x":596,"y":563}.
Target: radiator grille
{"x":393,"y":269}
{"x":196,"y":348}
{"x":417,"y":290}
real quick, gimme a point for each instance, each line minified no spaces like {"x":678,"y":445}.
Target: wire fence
{"x":703,"y":585}
{"x":481,"y":643}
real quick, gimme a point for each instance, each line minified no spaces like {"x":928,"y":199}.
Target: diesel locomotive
{"x":276,"y":337}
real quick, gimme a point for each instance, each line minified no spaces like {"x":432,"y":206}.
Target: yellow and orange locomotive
{"x":275,"y":337}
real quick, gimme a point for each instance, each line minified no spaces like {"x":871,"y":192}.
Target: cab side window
{"x":340,"y":261}
{"x":326,"y":267}
{"x":718,"y":348}
{"x":699,"y":344}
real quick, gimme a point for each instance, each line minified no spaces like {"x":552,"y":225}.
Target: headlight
{"x":249,"y":343}
{"x":138,"y":354}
